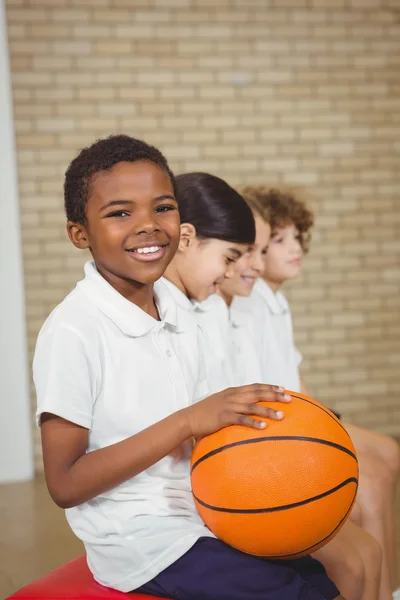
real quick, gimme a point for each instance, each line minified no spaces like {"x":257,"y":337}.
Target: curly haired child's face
{"x":133,"y":223}
{"x":250,"y":266}
{"x":284,"y":257}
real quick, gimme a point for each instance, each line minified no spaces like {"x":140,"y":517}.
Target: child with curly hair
{"x":379,"y":456}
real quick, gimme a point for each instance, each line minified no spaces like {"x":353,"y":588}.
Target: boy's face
{"x":250,"y":266}
{"x":284,"y":256}
{"x":132,"y":223}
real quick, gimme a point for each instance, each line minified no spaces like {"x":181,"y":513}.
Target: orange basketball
{"x":282,"y":492}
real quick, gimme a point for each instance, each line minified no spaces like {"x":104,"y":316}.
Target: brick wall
{"x":305,"y":92}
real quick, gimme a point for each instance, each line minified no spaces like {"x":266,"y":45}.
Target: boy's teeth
{"x":148,"y":250}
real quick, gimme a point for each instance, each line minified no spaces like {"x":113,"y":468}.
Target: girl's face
{"x":284,"y":256}
{"x":206,"y":263}
{"x":250,"y":266}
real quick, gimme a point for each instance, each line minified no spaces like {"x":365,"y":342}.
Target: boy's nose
{"x":146,"y":223}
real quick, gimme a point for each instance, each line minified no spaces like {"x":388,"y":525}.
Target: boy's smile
{"x":148,"y":252}
{"x":132,"y":224}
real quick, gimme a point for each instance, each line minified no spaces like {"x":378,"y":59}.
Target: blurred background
{"x":298,"y":92}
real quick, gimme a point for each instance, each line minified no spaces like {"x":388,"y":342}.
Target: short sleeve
{"x":65,"y":375}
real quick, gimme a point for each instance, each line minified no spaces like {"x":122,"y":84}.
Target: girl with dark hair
{"x":217,"y":228}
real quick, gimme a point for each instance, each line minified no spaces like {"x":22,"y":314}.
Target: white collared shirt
{"x":103,"y":363}
{"x":273,"y":334}
{"x":211,"y":317}
{"x":245,"y":359}
{"x":230,"y":344}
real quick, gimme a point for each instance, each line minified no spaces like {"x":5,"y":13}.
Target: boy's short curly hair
{"x":281,"y":208}
{"x":102,"y":155}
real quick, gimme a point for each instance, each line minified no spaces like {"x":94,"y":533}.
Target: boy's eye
{"x":230,"y":260}
{"x":119,"y":213}
{"x":165,"y":208}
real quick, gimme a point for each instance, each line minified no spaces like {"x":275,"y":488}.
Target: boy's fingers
{"x":285,"y":398}
{"x":268,"y":396}
{"x":258,"y":392}
{"x":277,"y":415}
{"x":259,"y":411}
{"x":256,"y":388}
{"x":264,"y":388}
{"x":271,"y":393}
{"x":249,"y":422}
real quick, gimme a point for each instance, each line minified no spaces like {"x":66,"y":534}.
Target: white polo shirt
{"x":245,"y":360}
{"x":106,"y":365}
{"x":210,"y":316}
{"x":272,"y":329}
{"x":229,"y":331}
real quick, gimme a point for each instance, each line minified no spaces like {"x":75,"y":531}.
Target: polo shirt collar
{"x":276,"y":301}
{"x":126,"y":315}
{"x":180,"y":298}
{"x":211,"y":303}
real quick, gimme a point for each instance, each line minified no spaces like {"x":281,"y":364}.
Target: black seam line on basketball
{"x":251,"y":511}
{"x":325,"y":410}
{"x":278,"y":438}
{"x":310,"y":548}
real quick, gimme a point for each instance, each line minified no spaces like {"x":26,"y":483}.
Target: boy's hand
{"x":235,"y":406}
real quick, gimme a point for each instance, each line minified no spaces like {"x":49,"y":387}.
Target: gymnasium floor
{"x":35,"y":537}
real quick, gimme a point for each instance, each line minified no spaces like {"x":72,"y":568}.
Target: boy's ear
{"x":188,"y":235}
{"x":78,"y":235}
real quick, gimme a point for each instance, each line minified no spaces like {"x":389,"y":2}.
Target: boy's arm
{"x":68,"y":376}
{"x":74,"y":476}
{"x":68,"y":379}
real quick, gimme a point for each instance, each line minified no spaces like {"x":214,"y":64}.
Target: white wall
{"x":16,"y":458}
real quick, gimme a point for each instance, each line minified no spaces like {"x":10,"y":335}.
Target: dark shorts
{"x":211,"y":570}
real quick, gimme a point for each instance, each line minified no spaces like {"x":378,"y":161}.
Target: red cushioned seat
{"x":72,"y":581}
